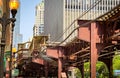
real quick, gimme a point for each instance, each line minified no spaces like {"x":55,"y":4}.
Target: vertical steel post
{"x":81,"y":68}
{"x":46,"y":70}
{"x":93,"y":52}
{"x":59,"y":62}
{"x":109,"y":64}
{"x":10,"y":65}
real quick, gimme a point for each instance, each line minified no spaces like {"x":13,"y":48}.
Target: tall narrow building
{"x":17,"y":37}
{"x":61,"y":16}
{"x":38,"y":28}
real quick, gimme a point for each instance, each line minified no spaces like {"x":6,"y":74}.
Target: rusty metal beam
{"x":93,"y":53}
{"x":113,"y":36}
{"x":60,"y":51}
{"x":80,"y":51}
{"x":80,"y":62}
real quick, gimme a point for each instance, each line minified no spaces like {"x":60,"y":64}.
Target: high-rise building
{"x":61,"y":15}
{"x":17,"y":37}
{"x":38,"y":28}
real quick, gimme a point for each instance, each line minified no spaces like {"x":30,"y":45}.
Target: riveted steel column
{"x":59,"y":62}
{"x":81,"y":68}
{"x":59,"y":67}
{"x":110,"y":69}
{"x":109,"y":64}
{"x":46,"y":70}
{"x":93,"y":52}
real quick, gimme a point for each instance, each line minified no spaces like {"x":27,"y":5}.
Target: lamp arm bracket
{"x":1,"y":20}
{"x":11,"y":20}
{"x":4,"y":21}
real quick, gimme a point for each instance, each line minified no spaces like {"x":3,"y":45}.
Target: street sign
{"x":117,"y":72}
{"x":15,"y":72}
{"x":7,"y":54}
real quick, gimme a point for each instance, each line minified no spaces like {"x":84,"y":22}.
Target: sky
{"x":27,"y":17}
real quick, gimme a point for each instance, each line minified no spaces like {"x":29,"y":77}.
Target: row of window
{"x":85,"y":4}
{"x":38,"y":30}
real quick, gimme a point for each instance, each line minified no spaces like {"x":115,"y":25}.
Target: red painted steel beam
{"x":93,"y":52}
{"x":93,"y":33}
{"x":59,"y":67}
{"x":38,"y":60}
{"x":84,"y":31}
{"x":52,"y":52}
{"x":60,"y":53}
{"x":57,"y":53}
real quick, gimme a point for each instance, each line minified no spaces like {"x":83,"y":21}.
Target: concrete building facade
{"x":61,"y":16}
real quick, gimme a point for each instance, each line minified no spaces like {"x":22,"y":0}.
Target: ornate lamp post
{"x":4,"y":21}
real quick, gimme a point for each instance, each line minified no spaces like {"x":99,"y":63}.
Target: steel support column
{"x":59,"y":62}
{"x":109,"y":64}
{"x":59,"y":67}
{"x":110,"y":68}
{"x":46,"y":70}
{"x":81,"y":68}
{"x":93,"y":52}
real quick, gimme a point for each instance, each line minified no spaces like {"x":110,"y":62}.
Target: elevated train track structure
{"x":97,"y":40}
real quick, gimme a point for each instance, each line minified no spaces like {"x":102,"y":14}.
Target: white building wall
{"x":39,"y":14}
{"x":39,"y":20}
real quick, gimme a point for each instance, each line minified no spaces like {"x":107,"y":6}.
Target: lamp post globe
{"x":14,"y":5}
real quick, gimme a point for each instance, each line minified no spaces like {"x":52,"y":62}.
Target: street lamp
{"x":4,"y":21}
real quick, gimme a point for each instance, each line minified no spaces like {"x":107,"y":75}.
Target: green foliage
{"x":102,"y":70}
{"x":77,"y":73}
{"x":116,"y":62}
{"x":87,"y":69}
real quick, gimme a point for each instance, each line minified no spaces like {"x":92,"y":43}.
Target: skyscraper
{"x":38,"y":28}
{"x":61,"y":15}
{"x":17,"y":37}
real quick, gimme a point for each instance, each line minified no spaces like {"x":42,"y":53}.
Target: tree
{"x":77,"y":73}
{"x":116,"y":62}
